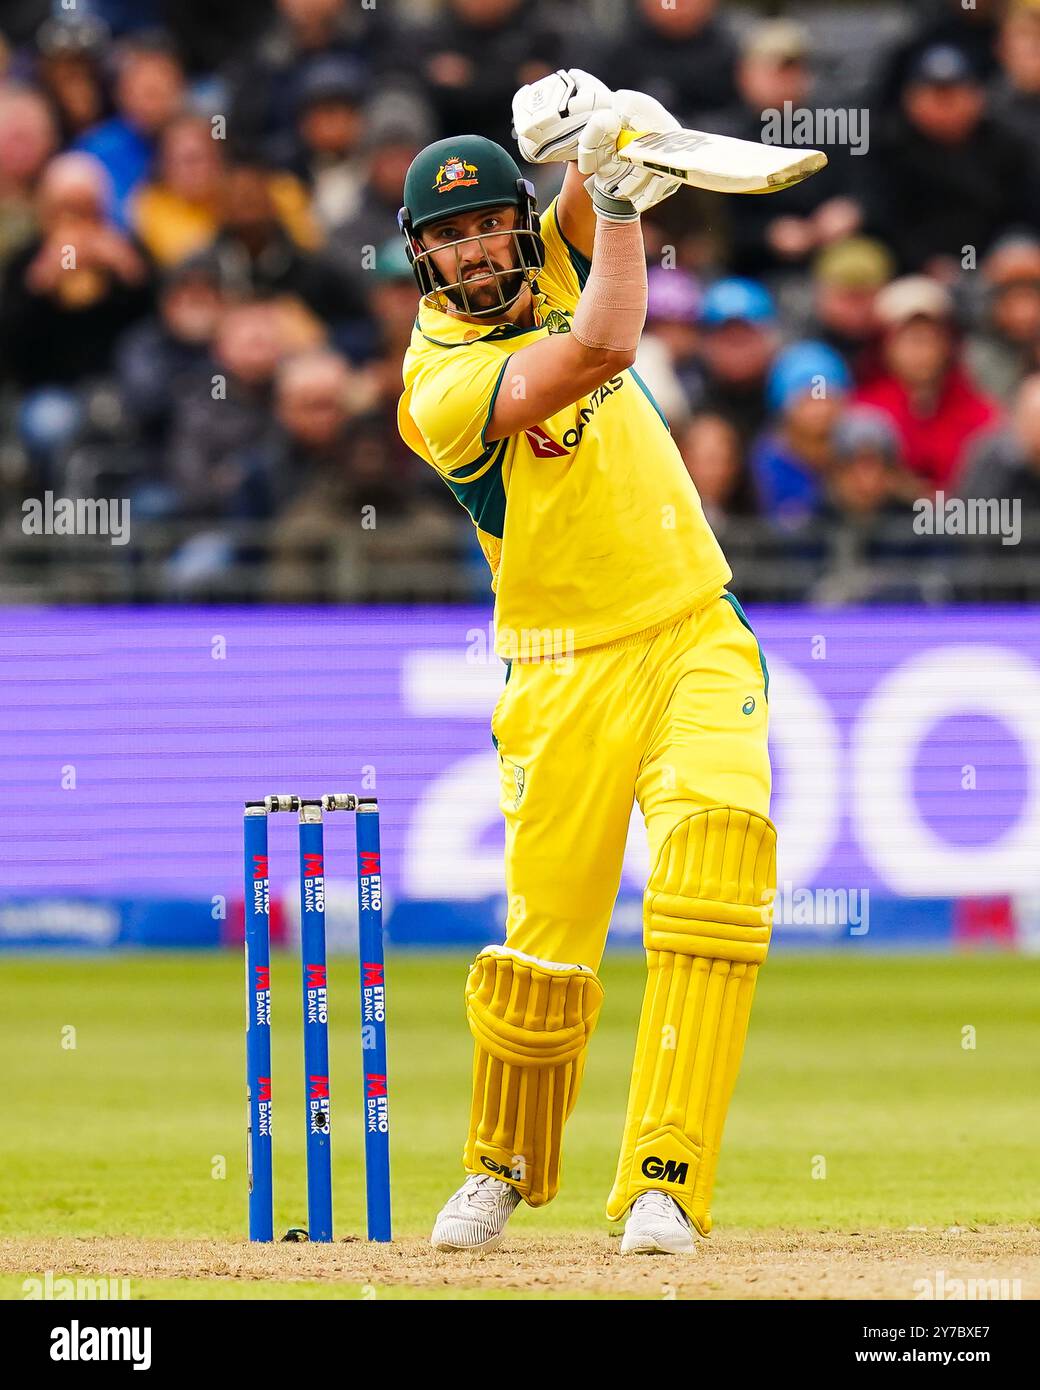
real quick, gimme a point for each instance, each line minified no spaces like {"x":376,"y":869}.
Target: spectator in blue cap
{"x":739,"y":341}
{"x":806,"y":390}
{"x":737,"y":298}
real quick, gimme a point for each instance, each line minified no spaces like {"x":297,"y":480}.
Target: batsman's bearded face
{"x":476,"y":257}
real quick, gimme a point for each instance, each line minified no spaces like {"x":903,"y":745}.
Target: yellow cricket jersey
{"x":589,"y":520}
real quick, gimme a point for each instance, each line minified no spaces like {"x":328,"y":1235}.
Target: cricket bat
{"x":719,"y":162}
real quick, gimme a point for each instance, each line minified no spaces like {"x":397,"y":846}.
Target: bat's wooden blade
{"x":719,"y":162}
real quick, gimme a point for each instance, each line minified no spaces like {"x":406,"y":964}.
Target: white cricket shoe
{"x":657,"y":1225}
{"x":475,"y":1217}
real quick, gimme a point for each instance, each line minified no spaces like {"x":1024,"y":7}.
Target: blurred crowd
{"x":204,"y":300}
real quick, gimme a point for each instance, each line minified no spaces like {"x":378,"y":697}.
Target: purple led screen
{"x":906,"y":746}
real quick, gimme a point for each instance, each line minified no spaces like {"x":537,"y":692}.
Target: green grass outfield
{"x":855,"y":1062}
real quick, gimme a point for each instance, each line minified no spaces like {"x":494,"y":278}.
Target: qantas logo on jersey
{"x":542,"y":446}
{"x":573,"y":437}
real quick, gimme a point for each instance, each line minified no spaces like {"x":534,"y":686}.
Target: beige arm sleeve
{"x":612,"y":309}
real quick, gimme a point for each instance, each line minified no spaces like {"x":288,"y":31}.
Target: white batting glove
{"x":614,"y":180}
{"x":550,"y":114}
{"x":597,"y":155}
{"x":641,"y":112}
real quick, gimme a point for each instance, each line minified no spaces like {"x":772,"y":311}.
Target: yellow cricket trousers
{"x":675,"y":720}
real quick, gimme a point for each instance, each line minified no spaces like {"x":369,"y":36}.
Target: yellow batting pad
{"x":531,"y":1021}
{"x":707,"y":919}
{"x":711,"y":891}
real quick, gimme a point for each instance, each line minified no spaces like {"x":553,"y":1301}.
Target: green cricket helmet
{"x":463,"y":174}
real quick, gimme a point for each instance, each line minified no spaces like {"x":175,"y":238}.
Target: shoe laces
{"x":483,"y":1192}
{"x":661,"y":1204}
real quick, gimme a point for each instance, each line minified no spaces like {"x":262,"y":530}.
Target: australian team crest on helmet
{"x":455,"y":173}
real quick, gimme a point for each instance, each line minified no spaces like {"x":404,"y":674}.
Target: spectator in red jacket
{"x":932,"y":401}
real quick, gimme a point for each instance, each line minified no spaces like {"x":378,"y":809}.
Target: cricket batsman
{"x":632,"y":674}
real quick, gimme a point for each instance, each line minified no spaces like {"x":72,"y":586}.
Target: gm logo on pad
{"x":668,"y":1170}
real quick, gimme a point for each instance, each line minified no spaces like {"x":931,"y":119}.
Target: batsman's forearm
{"x":612,"y":309}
